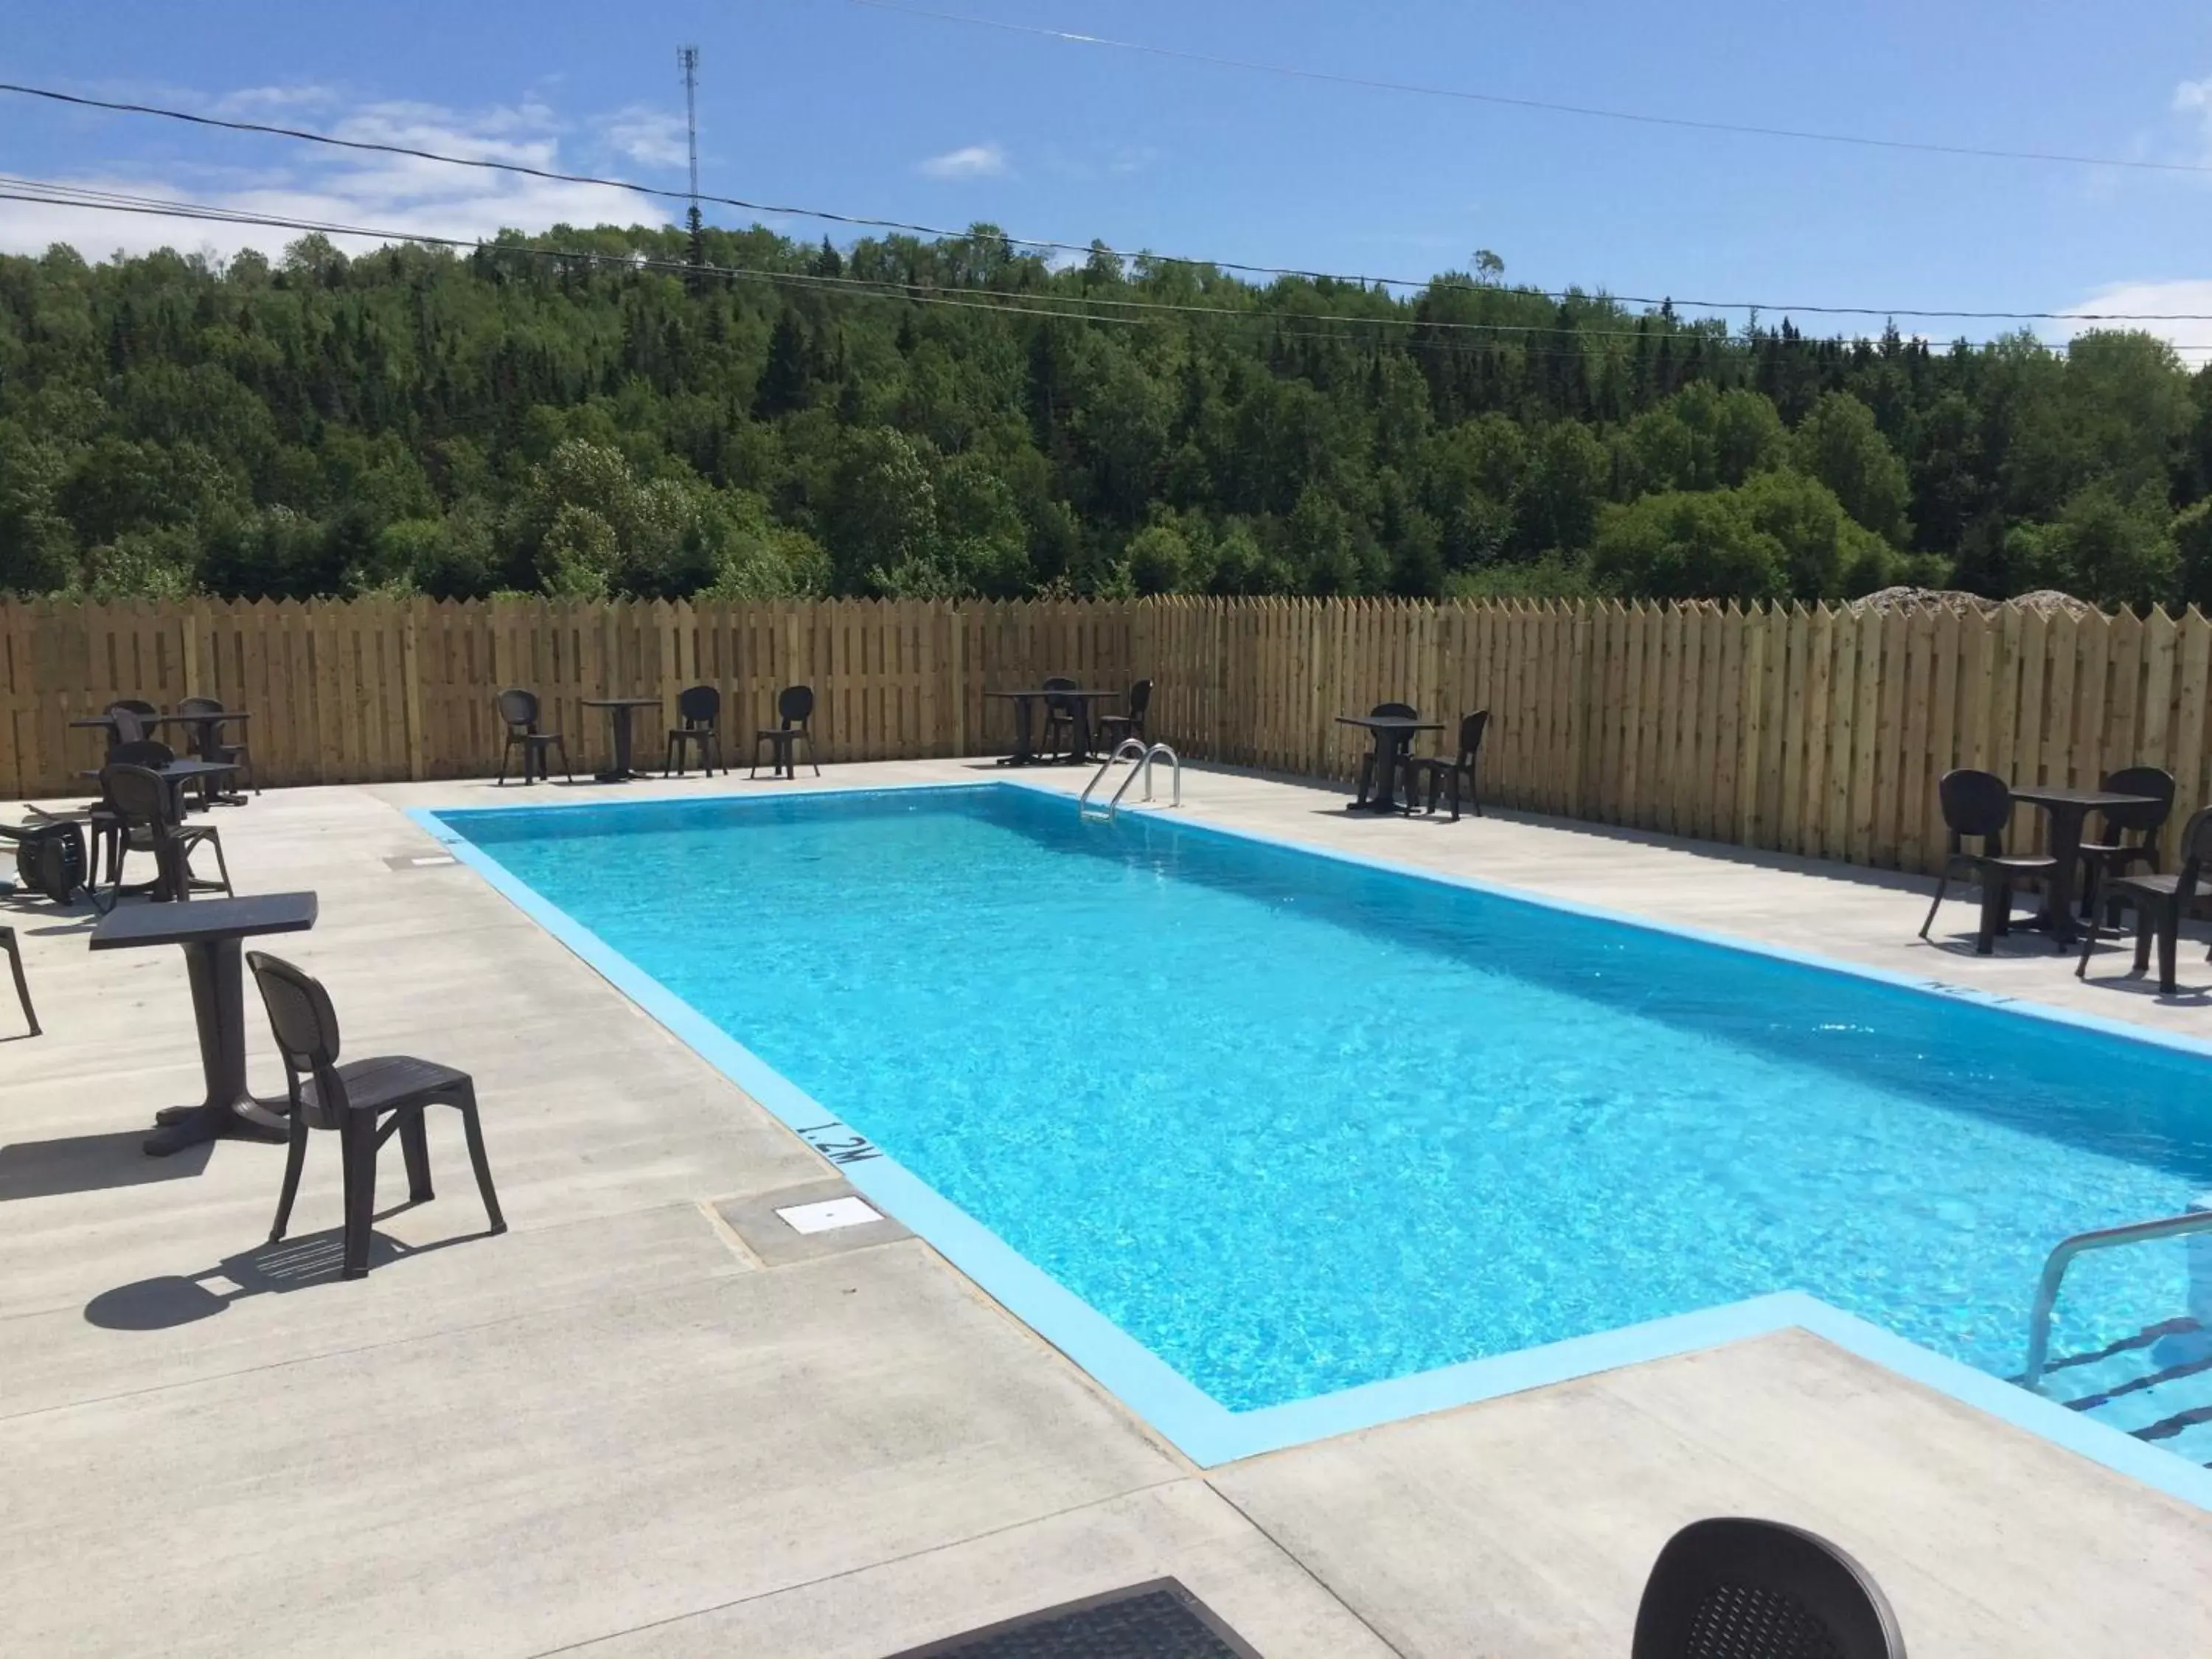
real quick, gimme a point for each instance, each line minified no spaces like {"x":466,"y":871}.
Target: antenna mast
{"x":687,"y":59}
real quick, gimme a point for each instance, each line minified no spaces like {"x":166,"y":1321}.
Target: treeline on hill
{"x":910,"y":417}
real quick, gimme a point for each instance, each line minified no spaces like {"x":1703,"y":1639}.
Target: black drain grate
{"x":1157,"y":1620}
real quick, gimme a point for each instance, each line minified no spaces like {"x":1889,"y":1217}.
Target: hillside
{"x":913,"y":417}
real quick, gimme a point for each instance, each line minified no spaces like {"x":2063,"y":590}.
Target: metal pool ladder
{"x":2054,"y":1270}
{"x":1142,"y":759}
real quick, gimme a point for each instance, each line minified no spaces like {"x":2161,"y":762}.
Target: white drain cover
{"x":829,"y":1214}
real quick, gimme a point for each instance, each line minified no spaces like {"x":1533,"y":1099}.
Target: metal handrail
{"x":1145,"y":764}
{"x":1152,"y":757}
{"x":1082,"y":800}
{"x":2055,"y":1266}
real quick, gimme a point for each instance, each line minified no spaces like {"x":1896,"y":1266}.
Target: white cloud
{"x":2189,"y":295}
{"x":1134,"y":159}
{"x":402,"y":195}
{"x":969,"y":161}
{"x":258,"y":103}
{"x":2192,"y":101}
{"x":653,"y":137}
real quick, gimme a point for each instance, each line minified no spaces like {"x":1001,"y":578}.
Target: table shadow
{"x":90,"y":1163}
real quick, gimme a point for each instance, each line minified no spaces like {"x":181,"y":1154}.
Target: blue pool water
{"x":1295,"y":1124}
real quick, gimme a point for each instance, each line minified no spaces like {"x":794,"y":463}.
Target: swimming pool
{"x":1299,"y":1128}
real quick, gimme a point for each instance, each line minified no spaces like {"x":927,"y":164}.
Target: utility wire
{"x":1376,"y":84}
{"x":1067,"y":307}
{"x":861,"y":221}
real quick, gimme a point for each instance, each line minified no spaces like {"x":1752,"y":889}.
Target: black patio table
{"x":1394,"y":735}
{"x":1025,"y":702}
{"x":210,"y":932}
{"x":178,"y":773}
{"x":2068,"y":809}
{"x":201,"y":728}
{"x":618,"y":709}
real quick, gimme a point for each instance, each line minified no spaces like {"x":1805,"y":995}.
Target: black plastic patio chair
{"x":132,"y":720}
{"x":1733,"y":1588}
{"x":1438,"y":769}
{"x":351,"y":1099}
{"x":102,"y":818}
{"x":1115,"y":730}
{"x":1060,"y":717}
{"x":1979,"y":804}
{"x":147,"y":816}
{"x":795,"y":710}
{"x":211,"y":743}
{"x":51,"y":857}
{"x":2160,"y":901}
{"x":2114,"y":854}
{"x":129,"y":717}
{"x":22,"y":985}
{"x":699,"y":720}
{"x":518,"y":711}
{"x":1403,"y":711}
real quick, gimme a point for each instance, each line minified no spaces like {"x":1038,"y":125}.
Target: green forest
{"x":581,"y":414}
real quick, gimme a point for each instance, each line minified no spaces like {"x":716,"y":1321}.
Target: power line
{"x":1075,"y":308}
{"x":1337,"y":327}
{"x":1376,"y":84}
{"x":1069,"y":307}
{"x":861,"y":221}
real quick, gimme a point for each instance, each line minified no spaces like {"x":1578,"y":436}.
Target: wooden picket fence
{"x":1814,"y":731}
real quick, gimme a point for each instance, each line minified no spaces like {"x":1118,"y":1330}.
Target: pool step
{"x":2155,"y":1385}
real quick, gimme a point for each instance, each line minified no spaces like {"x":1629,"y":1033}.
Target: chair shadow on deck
{"x":89,"y":1163}
{"x":294,"y":1264}
{"x":2130,"y":980}
{"x":79,"y":916}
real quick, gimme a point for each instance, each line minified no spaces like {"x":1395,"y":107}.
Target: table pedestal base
{"x":219,"y":1009}
{"x":244,"y":1118}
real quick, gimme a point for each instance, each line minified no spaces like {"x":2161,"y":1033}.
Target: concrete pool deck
{"x":637,"y":1426}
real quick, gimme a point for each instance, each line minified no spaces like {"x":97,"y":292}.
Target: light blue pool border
{"x":1210,"y":1434}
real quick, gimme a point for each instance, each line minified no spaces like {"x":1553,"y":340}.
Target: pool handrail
{"x":1150,"y":759}
{"x":2061,"y":1257}
{"x":1121,"y":752}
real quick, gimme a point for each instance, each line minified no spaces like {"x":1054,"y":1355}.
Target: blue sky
{"x":822,"y":103}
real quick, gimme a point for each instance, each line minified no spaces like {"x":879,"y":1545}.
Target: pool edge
{"x":1208,"y":1433}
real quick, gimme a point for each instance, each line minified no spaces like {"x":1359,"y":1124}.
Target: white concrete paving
{"x":619,"y":1430}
